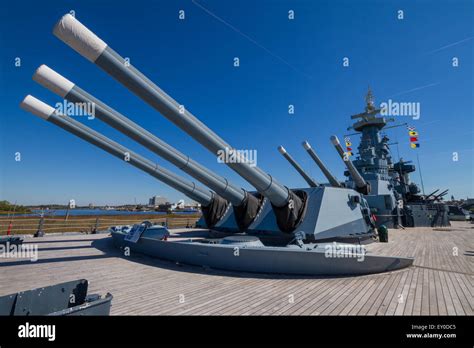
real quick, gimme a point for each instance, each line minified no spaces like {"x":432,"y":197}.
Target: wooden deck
{"x":439,"y":283}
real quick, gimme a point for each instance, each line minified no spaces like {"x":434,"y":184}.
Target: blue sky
{"x":282,"y":62}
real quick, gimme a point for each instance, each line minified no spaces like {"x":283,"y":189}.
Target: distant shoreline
{"x":93,"y":213}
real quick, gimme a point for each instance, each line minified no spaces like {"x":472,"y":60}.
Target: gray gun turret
{"x":278,"y":239}
{"x":311,"y":182}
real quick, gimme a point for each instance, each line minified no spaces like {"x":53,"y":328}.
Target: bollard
{"x":383,"y":234}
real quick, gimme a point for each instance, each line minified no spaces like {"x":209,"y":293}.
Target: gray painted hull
{"x":271,"y":260}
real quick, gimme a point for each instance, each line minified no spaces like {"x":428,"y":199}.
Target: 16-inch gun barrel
{"x":48,"y":113}
{"x":360,"y":183}
{"x":86,"y":43}
{"x":311,"y":182}
{"x":332,"y":180}
{"x":68,"y":90}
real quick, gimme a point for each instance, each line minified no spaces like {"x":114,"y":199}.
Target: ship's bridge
{"x":374,"y":160}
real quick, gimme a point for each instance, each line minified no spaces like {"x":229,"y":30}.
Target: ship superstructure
{"x":394,"y":199}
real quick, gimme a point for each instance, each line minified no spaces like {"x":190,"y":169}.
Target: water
{"x":82,"y":212}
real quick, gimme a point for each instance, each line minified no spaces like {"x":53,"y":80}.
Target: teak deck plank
{"x":439,"y":283}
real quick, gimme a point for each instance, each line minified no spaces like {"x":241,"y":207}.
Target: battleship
{"x":318,"y":247}
{"x":394,"y":200}
{"x":304,"y":252}
{"x":275,"y":229}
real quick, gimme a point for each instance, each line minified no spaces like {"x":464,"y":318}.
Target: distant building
{"x":155,"y":201}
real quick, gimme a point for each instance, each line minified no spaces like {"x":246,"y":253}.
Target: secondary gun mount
{"x":331,"y":178}
{"x":362,"y":186}
{"x":246,"y":205}
{"x":431,"y":194}
{"x":213,"y":207}
{"x":442,"y":194}
{"x":289,"y":206}
{"x":311,"y":182}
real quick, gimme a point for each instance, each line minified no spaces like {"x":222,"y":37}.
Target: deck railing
{"x":86,"y":224}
